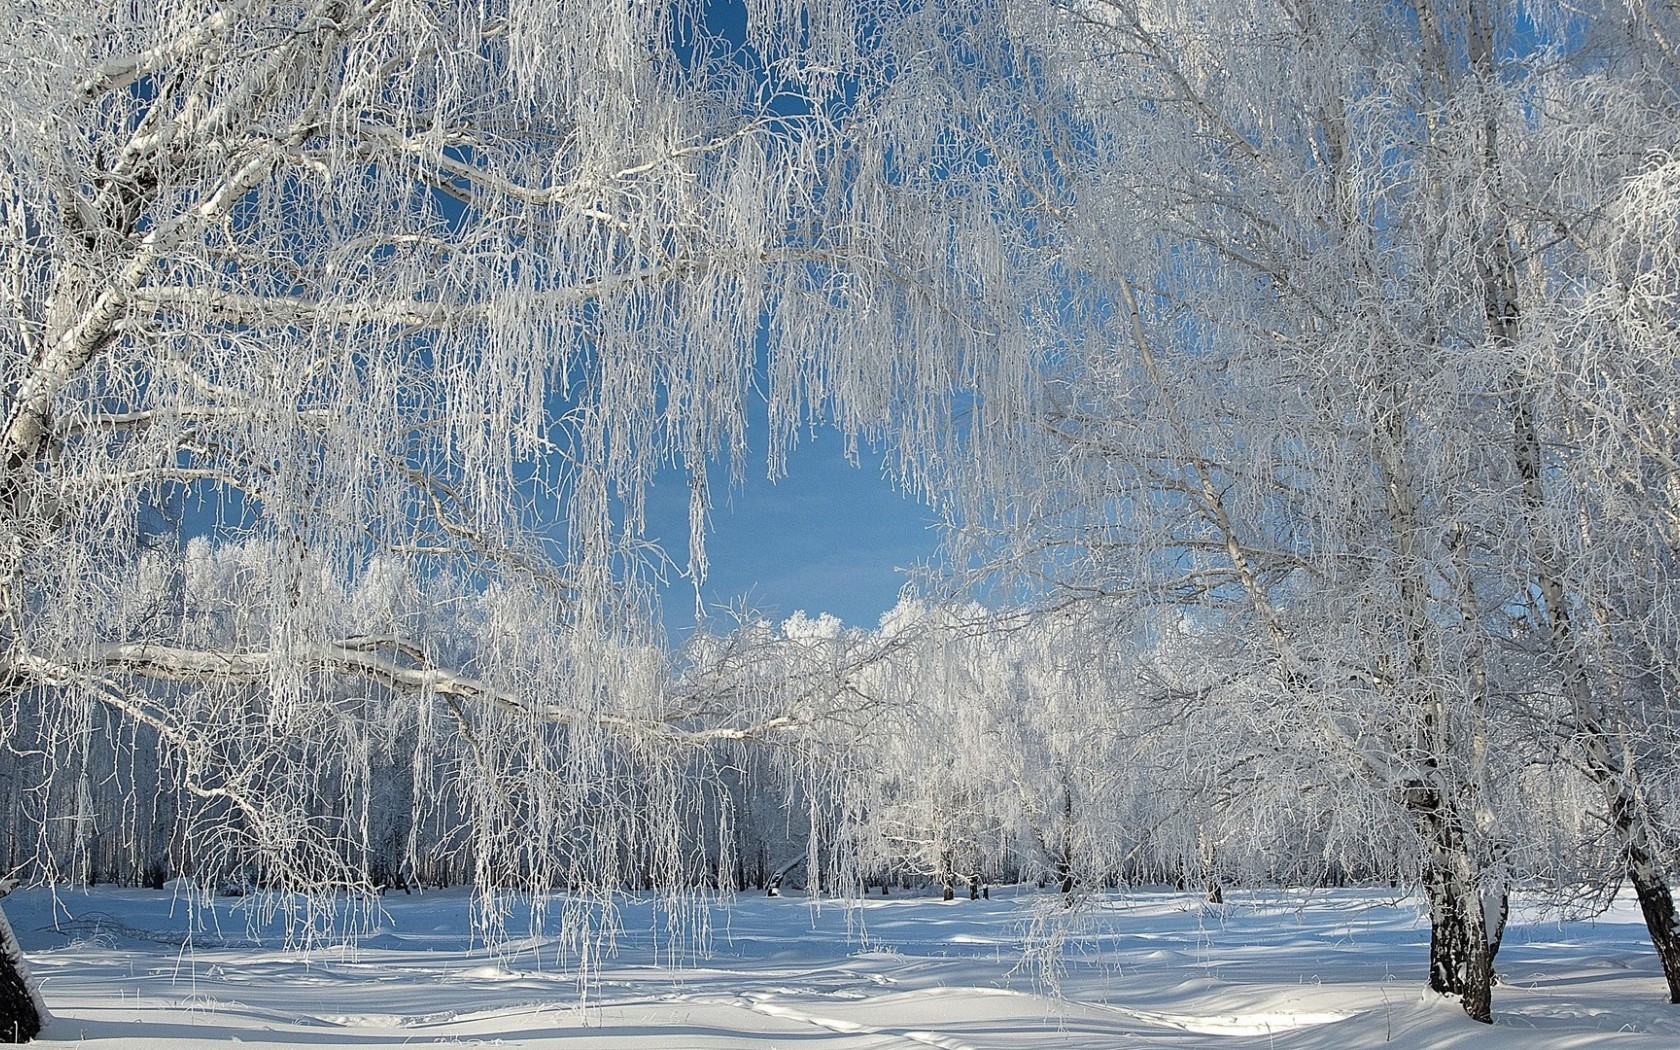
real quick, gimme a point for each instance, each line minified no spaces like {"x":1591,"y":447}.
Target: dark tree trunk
{"x":21,"y":1015}
{"x":1460,"y":962}
{"x":1446,"y":934}
{"x":1478,"y":973}
{"x":1657,"y":903}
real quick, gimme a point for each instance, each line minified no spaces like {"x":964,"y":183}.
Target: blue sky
{"x":828,"y":536}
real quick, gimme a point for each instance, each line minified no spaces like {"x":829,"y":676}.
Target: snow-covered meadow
{"x":1324,"y":969}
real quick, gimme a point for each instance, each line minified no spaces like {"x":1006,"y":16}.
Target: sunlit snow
{"x":1148,"y":968}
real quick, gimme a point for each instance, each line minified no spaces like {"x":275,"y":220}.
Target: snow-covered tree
{"x":421,"y":288}
{"x":1591,"y":281}
{"x":1288,"y":262}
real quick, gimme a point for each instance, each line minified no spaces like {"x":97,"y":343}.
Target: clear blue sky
{"x":826,"y":537}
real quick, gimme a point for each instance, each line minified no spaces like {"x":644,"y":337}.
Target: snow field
{"x":1323,"y":970}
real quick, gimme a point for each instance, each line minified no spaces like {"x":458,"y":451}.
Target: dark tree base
{"x":20,"y":1017}
{"x":1460,"y":964}
{"x":1657,"y":905}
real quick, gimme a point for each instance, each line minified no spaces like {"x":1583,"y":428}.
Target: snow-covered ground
{"x":1324,"y":970}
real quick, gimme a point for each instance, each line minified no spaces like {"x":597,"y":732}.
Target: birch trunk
{"x":22,"y":1014}
{"x":1460,"y":952}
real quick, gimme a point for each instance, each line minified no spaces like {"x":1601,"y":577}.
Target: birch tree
{"x":1597,"y":311}
{"x":1290,"y":252}
{"x":433,"y":286}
